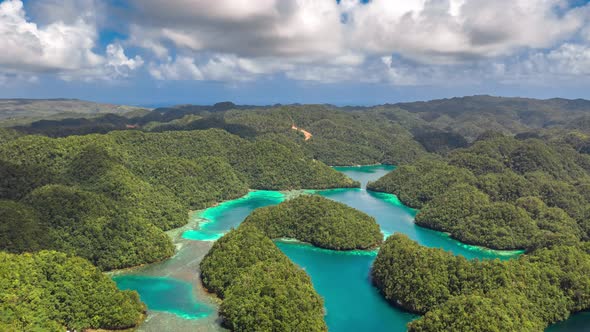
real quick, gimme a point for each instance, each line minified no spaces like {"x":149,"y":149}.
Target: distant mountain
{"x":486,"y":103}
{"x":23,"y":111}
{"x":470,"y":116}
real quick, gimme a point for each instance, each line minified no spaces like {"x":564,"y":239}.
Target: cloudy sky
{"x":153,"y":52}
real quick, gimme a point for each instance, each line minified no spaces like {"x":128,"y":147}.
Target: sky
{"x":343,"y":52}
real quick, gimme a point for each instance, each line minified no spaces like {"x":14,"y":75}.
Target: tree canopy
{"x":51,"y":291}
{"x":261,"y":288}
{"x":319,"y":221}
{"x":524,"y":294}
{"x":108,"y":198}
{"x":501,"y":193}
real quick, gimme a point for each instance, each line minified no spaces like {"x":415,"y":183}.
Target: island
{"x":317,"y":220}
{"x":51,"y":291}
{"x":501,"y":193}
{"x":261,"y":288}
{"x":456,"y":294}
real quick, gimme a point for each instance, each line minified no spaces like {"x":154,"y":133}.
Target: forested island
{"x":51,"y":291}
{"x":501,"y":192}
{"x":96,"y":192}
{"x":455,"y":294}
{"x":109,"y":198}
{"x":319,"y":221}
{"x":261,"y":288}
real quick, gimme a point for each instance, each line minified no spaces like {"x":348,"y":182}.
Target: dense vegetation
{"x":392,"y":134}
{"x":108,"y":198}
{"x":500,"y":192}
{"x":262,"y":289}
{"x":524,"y":294}
{"x":25,"y":111}
{"x":50,"y":291}
{"x":339,"y":137}
{"x":319,"y":221}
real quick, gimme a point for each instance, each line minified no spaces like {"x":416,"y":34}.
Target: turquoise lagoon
{"x":165,"y":294}
{"x":218,"y":220}
{"x":341,"y":278}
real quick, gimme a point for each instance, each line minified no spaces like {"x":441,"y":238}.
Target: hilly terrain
{"x":24,"y":111}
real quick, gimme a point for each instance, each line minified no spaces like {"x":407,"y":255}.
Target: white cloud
{"x":292,"y":28}
{"x":315,"y":39}
{"x":439,"y":31}
{"x":565,"y":61}
{"x":215,"y":67}
{"x":56,"y":46}
{"x":410,"y":42}
{"x":182,"y":68}
{"x":119,"y":64}
{"x":63,"y":48}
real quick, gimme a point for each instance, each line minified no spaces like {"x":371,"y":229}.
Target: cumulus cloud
{"x":215,"y":67}
{"x":330,"y":41}
{"x":65,"y":46}
{"x":410,"y":42}
{"x":293,"y":28}
{"x":119,"y":64}
{"x":443,"y":31}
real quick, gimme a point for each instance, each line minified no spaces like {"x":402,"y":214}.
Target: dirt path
{"x":306,"y":133}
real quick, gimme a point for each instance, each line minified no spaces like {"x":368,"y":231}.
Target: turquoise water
{"x":364,"y":174}
{"x":220,"y":219}
{"x":165,"y":294}
{"x":341,"y":278}
{"x":579,"y":322}
{"x":394,"y":217}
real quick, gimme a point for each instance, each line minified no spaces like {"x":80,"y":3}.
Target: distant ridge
{"x":19,"y":111}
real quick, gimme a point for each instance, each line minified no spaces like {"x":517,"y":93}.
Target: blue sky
{"x":155,"y":52}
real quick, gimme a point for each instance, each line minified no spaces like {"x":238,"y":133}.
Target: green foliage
{"x":404,"y":289}
{"x":266,"y":165}
{"x":50,"y":291}
{"x":7,"y":134}
{"x":92,"y":226}
{"x":475,"y":313}
{"x":262,"y":289}
{"x":108,"y":198}
{"x":447,"y":211}
{"x":528,"y":293}
{"x":339,"y":138}
{"x":273,"y":297}
{"x":530,"y":194}
{"x":20,"y":228}
{"x":235,"y":252}
{"x":498,"y":225}
{"x":319,"y":221}
{"x":417,"y":184}
{"x":200,"y":183}
{"x":506,"y":186}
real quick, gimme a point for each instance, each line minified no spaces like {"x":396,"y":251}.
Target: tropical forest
{"x":292,"y":217}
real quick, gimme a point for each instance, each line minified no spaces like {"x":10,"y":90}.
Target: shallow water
{"x":394,"y":217}
{"x":364,"y":174}
{"x":579,"y":322}
{"x":171,"y":290}
{"x":166,"y":294}
{"x":341,"y":278}
{"x":227,"y":215}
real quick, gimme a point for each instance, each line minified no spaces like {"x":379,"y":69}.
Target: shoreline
{"x":193,"y":276}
